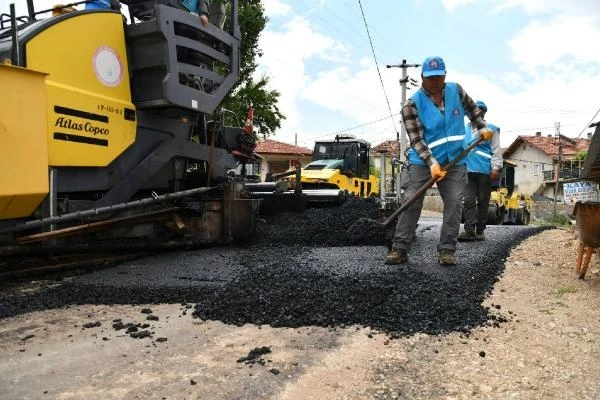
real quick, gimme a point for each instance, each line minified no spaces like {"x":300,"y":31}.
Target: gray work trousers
{"x":451,"y":190}
{"x":477,"y":199}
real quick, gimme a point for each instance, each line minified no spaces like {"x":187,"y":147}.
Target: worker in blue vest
{"x":434,"y":121}
{"x":484,"y":165}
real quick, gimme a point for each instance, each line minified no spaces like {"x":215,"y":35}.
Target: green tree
{"x":581,"y":155}
{"x":267,"y":116}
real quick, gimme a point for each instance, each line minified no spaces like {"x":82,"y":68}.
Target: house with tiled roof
{"x":536,"y":158}
{"x":277,"y":157}
{"x":390,"y":147}
{"x":391,"y":150}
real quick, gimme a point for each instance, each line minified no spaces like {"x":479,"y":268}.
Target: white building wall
{"x":528,"y":177}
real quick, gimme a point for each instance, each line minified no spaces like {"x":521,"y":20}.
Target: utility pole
{"x":403,"y":82}
{"x":557,"y":134}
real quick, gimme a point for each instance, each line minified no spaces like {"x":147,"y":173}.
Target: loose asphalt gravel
{"x":305,"y":269}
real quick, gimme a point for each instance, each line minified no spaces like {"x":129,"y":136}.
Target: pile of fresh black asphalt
{"x":354,"y":222}
{"x":291,"y":276}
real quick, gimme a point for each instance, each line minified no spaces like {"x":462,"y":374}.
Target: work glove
{"x":437,"y":172}
{"x":485,"y":134}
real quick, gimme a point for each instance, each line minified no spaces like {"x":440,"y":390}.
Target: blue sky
{"x":534,"y":62}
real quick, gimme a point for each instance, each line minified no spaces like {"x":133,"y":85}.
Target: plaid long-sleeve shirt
{"x":415,"y":130}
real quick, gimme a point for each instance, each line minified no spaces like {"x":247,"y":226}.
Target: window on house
{"x":537,"y":169}
{"x":524,"y":147}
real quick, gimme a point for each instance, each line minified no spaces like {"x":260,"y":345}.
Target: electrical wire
{"x":292,"y":66}
{"x":391,"y":48}
{"x":376,"y":64}
{"x":313,"y":138}
{"x":538,"y":129}
{"x":328,"y":23}
{"x":365,"y":124}
{"x":589,"y":123}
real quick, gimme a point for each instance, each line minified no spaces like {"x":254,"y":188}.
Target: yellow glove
{"x":485,"y":134}
{"x":436,"y":172}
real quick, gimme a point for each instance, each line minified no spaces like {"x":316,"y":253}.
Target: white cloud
{"x":451,"y":5}
{"x":541,"y":45}
{"x":276,"y":7}
{"x":355,"y":99}
{"x":357,"y":94}
{"x":560,"y":58}
{"x":534,"y":7}
{"x":297,"y":44}
{"x":537,"y":105}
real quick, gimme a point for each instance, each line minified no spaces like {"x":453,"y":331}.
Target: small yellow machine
{"x":509,"y":209}
{"x":507,"y":206}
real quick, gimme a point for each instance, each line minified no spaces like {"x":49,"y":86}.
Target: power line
{"x":376,"y":64}
{"x":293,"y":66}
{"x":365,"y":124}
{"x":534,"y":129}
{"x":328,"y":23}
{"x":309,"y":139}
{"x":391,"y":49}
{"x":589,"y":123}
{"x":529,"y":161}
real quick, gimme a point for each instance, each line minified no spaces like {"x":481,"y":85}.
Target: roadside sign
{"x":580,"y":191}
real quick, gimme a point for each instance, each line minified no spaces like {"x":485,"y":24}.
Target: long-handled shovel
{"x":369,"y":231}
{"x":429,"y":183}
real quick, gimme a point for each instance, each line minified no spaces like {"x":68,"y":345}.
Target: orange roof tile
{"x":390,"y":146}
{"x":274,"y":147}
{"x":549,"y":145}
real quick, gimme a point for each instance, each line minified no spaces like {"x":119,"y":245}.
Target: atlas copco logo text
{"x":87,"y":127}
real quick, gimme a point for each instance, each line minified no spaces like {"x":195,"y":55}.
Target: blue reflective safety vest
{"x":443,"y":133}
{"x":480,"y":158}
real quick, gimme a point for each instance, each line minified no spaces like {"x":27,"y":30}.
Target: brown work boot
{"x":467,"y":236}
{"x":396,"y":256}
{"x":479,"y":235}
{"x":447,"y":257}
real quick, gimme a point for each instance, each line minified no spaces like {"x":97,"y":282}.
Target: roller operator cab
{"x":107,"y":120}
{"x":343,"y":163}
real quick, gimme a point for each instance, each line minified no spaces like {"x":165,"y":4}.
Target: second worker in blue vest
{"x":434,"y":120}
{"x":484,"y":164}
